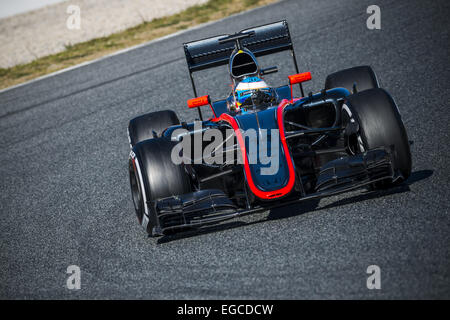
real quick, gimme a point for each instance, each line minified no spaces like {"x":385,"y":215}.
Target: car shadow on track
{"x":300,"y":208}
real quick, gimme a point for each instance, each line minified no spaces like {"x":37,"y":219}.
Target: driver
{"x":250,"y":92}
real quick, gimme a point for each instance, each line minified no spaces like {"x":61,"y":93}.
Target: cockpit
{"x":250,"y":92}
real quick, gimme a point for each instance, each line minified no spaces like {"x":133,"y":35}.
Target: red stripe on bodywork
{"x":260,"y":193}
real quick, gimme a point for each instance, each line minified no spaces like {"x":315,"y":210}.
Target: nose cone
{"x":270,"y":173}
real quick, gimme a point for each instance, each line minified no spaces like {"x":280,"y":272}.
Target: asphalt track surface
{"x":65,"y":197}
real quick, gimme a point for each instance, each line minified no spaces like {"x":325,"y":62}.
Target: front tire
{"x":153,"y":175}
{"x":380,"y":125}
{"x":146,"y":126}
{"x":363,"y":77}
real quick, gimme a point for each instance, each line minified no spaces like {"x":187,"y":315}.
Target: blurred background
{"x":39,"y":37}
{"x":31,"y":29}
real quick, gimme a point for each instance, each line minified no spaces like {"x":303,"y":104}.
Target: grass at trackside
{"x":96,"y":48}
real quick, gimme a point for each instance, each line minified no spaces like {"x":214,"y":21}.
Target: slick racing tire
{"x":363,"y":77}
{"x":380,"y":125}
{"x":143,"y":127}
{"x":153,"y":175}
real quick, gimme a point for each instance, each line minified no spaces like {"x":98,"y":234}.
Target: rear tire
{"x":141,"y":128}
{"x":153,"y":176}
{"x":363,"y":77}
{"x":380,"y":125}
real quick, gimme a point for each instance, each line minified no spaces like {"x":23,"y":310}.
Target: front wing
{"x":211,"y":206}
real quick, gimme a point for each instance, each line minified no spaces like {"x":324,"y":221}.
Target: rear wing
{"x":208,"y":53}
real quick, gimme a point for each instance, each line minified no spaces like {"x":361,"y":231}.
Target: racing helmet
{"x":247,"y":87}
{"x":251,"y":93}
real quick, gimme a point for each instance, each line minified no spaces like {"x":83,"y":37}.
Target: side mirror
{"x":200,"y":102}
{"x":299,"y":78}
{"x":269,"y":70}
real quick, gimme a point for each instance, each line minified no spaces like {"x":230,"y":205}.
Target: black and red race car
{"x":269,"y":148}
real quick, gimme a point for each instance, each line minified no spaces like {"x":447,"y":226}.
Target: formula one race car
{"x":262,"y":148}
